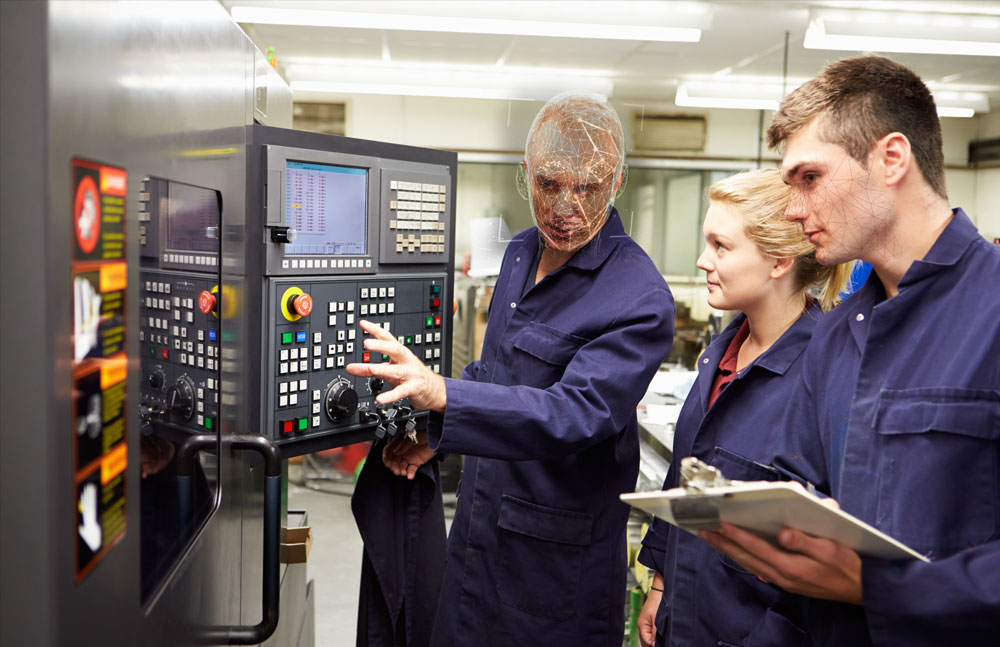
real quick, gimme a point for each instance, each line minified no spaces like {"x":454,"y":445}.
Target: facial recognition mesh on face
{"x":574,"y":158}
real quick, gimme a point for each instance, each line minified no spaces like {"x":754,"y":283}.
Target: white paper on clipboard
{"x":765,"y":507}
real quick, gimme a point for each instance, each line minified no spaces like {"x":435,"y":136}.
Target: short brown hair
{"x":761,"y":198}
{"x":863,"y":99}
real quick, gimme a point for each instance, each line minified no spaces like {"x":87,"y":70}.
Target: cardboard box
{"x":295,"y":544}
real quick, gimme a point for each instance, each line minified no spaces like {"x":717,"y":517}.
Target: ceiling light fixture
{"x":462,"y":24}
{"x":766,"y":95}
{"x":903,"y":32}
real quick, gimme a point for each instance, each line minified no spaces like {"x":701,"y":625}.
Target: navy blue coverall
{"x":546,"y":419}
{"x":708,"y":599}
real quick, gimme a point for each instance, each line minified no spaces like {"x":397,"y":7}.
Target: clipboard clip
{"x":698,"y":476}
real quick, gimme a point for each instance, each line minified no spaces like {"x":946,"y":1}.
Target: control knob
{"x":156,"y":379}
{"x":341,"y":401}
{"x":180,"y":398}
{"x":206,"y":302}
{"x":375,"y":385}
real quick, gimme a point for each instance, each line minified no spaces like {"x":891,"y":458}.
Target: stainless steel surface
{"x":163,"y":89}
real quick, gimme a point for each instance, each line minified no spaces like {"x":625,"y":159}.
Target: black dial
{"x":341,"y":401}
{"x":375,"y":385}
{"x":180,"y":398}
{"x":156,"y":379}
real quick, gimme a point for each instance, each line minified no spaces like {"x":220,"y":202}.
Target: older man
{"x":898,"y":414}
{"x":580,"y":321}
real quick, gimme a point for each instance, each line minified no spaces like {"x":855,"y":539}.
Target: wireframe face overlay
{"x":573,"y":162}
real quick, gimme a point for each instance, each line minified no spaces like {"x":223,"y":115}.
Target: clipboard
{"x":765,"y":507}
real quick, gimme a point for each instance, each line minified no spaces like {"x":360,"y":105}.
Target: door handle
{"x":258,"y":633}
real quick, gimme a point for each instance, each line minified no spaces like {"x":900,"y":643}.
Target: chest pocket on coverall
{"x":542,"y":353}
{"x":938,"y":473}
{"x":541,"y":557}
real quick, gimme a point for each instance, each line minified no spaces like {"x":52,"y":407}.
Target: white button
{"x":340,"y":306}
{"x":283,"y":401}
{"x":392,"y":292}
{"x":350,"y":306}
{"x":418,"y":339}
{"x":383,"y":292}
{"x":352,"y":333}
{"x":329,"y":362}
{"x":317,"y":337}
{"x":316,"y":394}
{"x":184,"y":332}
{"x":437,"y":337}
{"x":427,"y":353}
{"x":201,"y":349}
{"x":437,"y":353}
{"x":385,"y":326}
{"x":332,"y":320}
{"x":317,"y":351}
{"x":340,"y":335}
{"x":437,"y":368}
{"x":293,"y":399}
{"x":364,"y":293}
{"x":391,"y":308}
{"x":190,"y":317}
{"x":860,"y":317}
{"x":283,"y":354}
{"x":177,"y":315}
{"x":303,"y":385}
{"x":201,"y":420}
{"x":350,"y":347}
{"x":315,"y":407}
{"x":340,"y":349}
{"x":331,"y":349}
{"x":317,"y":364}
{"x":333,"y":306}
{"x":350,"y":320}
{"x":381,"y":308}
{"x":211,"y":383}
{"x":304,"y":365}
{"x":283,"y":368}
{"x":364,"y":309}
{"x":294,"y":353}
{"x":283,"y":387}
{"x":340,"y":361}
{"x":183,"y":358}
{"x":201,"y":362}
{"x":201,"y":407}
{"x":315,"y":421}
{"x":513,"y":305}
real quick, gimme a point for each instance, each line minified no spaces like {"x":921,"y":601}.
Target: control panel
{"x":179,"y":299}
{"x":352,"y":230}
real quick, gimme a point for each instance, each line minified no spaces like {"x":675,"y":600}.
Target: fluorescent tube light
{"x":862,"y":31}
{"x":944,"y":111}
{"x":461,"y":24}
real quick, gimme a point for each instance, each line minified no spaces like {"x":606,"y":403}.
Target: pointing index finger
{"x":376,"y":330}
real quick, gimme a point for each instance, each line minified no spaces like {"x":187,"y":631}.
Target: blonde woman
{"x":760,"y":264}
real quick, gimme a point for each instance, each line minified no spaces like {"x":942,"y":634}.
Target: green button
{"x":435,"y":289}
{"x":384,"y":357}
{"x":208,"y":423}
{"x":429,"y":322}
{"x":286,"y":338}
{"x":409,"y":340}
{"x":303,"y":424}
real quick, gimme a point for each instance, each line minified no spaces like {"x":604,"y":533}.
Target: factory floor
{"x":335,"y":559}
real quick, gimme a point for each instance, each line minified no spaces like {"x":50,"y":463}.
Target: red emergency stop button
{"x":206,"y":302}
{"x":287,"y":426}
{"x":300,"y":304}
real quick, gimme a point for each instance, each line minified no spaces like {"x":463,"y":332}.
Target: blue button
{"x":300,"y":336}
{"x":211,"y":335}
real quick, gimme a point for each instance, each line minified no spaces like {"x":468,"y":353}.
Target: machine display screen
{"x":192,"y":218}
{"x":327,"y":205}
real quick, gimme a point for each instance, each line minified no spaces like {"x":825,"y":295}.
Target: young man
{"x":898,"y":413}
{"x":580,"y":321}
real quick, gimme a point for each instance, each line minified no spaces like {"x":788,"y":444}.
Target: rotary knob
{"x":341,"y":401}
{"x":156,"y":379}
{"x":375,"y":385}
{"x":180,"y":398}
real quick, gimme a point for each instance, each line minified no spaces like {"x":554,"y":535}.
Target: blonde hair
{"x":762,"y":197}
